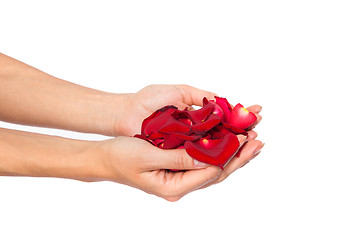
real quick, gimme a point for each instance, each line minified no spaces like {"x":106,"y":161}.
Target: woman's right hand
{"x":139,"y":164}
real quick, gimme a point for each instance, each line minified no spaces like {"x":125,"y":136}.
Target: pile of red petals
{"x":207,"y":134}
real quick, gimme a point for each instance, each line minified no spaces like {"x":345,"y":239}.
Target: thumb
{"x":176,"y":159}
{"x":194,"y":96}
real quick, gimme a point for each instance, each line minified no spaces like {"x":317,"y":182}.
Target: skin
{"x":31,"y":97}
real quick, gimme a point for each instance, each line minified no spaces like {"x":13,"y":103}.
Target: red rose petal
{"x":171,"y":141}
{"x":182,"y":116}
{"x":241,"y":117}
{"x":173,"y":125}
{"x":234,"y":129}
{"x":205,"y":126}
{"x":205,"y":101}
{"x":145,"y":138}
{"x":187,"y":137}
{"x":216,"y":152}
{"x":153,"y":123}
{"x":218,"y":111}
{"x":156,"y":135}
{"x":201,"y":114}
{"x":225,"y":107}
{"x":239,"y":151}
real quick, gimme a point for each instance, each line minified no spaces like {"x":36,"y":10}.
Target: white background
{"x":298,"y":59}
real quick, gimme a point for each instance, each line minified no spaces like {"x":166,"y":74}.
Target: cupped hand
{"x":142,"y":104}
{"x":134,"y":108}
{"x":139,"y":164}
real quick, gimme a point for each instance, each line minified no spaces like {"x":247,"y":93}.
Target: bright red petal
{"x":241,"y":117}
{"x":225,"y":107}
{"x":216,"y":152}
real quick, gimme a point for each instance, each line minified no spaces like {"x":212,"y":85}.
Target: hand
{"x":142,"y":104}
{"x":131,"y":109}
{"x":139,"y":164}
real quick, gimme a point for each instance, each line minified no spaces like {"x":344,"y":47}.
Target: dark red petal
{"x":239,"y":151}
{"x":187,"y":121}
{"x":171,"y":141}
{"x":156,"y":135}
{"x":241,"y":117}
{"x":225,"y":107}
{"x":215,"y":134}
{"x":234,"y":129}
{"x":145,"y":138}
{"x":216,"y":152}
{"x":155,"y":121}
{"x":140,"y":136}
{"x":158,"y":142}
{"x":182,"y":116}
{"x":201,"y":114}
{"x":221,"y":129}
{"x":205,"y":101}
{"x":187,"y":137}
{"x":206,"y":125}
{"x":173,"y":125}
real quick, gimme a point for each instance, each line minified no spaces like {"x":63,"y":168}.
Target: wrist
{"x":111,"y":115}
{"x":89,"y":168}
{"x":117,"y":108}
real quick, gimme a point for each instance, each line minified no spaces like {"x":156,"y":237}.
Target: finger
{"x":252,"y":135}
{"x":250,"y":150}
{"x":255,"y":109}
{"x":194,"y":96}
{"x":173,"y":159}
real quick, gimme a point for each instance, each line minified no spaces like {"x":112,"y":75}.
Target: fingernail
{"x":200,"y":164}
{"x":258,"y":149}
{"x":244,"y":164}
{"x":243,"y":139}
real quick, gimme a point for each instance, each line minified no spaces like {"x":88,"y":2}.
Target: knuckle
{"x":169,"y":191}
{"x":221,"y":178}
{"x":170,"y":195}
{"x":181,"y":161}
{"x":172,"y":198}
{"x":185,"y":86}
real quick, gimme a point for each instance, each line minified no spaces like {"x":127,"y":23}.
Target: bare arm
{"x":38,"y":155}
{"x":32,"y":97}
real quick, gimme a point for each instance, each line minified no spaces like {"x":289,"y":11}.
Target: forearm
{"x":37,"y":155}
{"x":32,"y":97}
